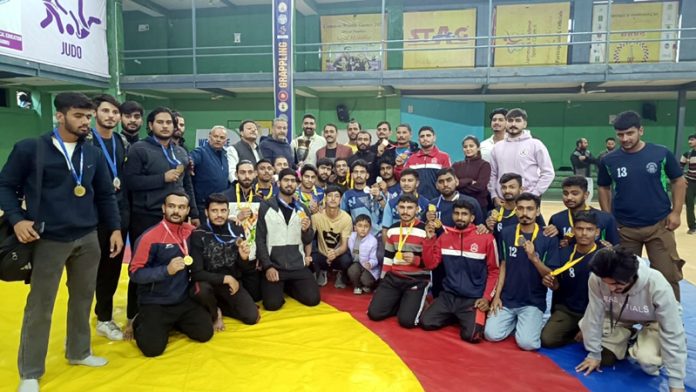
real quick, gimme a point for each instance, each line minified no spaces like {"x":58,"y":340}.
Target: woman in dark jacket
{"x":473,"y":172}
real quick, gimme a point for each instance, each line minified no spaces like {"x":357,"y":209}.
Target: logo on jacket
{"x":474,"y":248}
{"x":523,"y":152}
{"x":168,"y":246}
{"x":651,"y":167}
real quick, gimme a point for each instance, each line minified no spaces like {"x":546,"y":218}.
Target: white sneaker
{"x":110,"y":330}
{"x":339,"y":284}
{"x":366,"y":290}
{"x":28,"y":385}
{"x":91,"y":361}
{"x":322,"y":278}
{"x":357,"y":291}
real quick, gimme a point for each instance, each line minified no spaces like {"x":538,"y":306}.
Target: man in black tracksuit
{"x":220,"y":257}
{"x":154,"y":168}
{"x":283,"y":244}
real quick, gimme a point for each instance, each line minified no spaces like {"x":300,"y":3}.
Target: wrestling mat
{"x":329,"y":347}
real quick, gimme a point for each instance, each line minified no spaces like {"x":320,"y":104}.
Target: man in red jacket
{"x":426,"y":161}
{"x":471,"y":265}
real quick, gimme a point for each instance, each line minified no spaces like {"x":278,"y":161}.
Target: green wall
{"x":560,"y":124}
{"x":17,"y":124}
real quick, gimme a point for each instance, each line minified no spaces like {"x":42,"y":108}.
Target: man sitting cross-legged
{"x":471,"y":273}
{"x":220,"y":258}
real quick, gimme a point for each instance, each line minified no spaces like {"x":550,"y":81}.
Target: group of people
{"x":218,"y":229}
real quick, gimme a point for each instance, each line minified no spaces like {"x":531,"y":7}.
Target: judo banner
{"x":513,"y":21}
{"x":451,"y":32}
{"x":282,"y":60}
{"x":631,"y":46}
{"x":351,"y":42}
{"x":69,"y":34}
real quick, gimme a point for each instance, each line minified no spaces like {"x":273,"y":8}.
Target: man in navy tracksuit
{"x":276,"y":144}
{"x":471,"y":265}
{"x":159,"y":270}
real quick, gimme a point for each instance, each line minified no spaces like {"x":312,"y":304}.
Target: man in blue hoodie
{"x":61,"y":220}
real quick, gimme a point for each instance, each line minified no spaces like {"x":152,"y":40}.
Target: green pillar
{"x":114,"y":41}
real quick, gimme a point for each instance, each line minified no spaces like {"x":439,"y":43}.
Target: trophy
{"x":302,"y":149}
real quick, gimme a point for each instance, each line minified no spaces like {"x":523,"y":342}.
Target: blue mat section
{"x":626,"y":376}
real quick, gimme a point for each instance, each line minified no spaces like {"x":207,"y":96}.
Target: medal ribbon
{"x":571,"y":263}
{"x":518,"y":234}
{"x":239,"y":196}
{"x":78,"y":178}
{"x":402,"y":242}
{"x":501,"y":212}
{"x":183,"y":246}
{"x":111,"y":162}
{"x":173,"y":161}
{"x":220,"y":240}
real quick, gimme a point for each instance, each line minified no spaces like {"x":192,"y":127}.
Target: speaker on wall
{"x":342,"y":113}
{"x":649,"y":111}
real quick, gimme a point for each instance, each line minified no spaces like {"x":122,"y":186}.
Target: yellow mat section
{"x":294,"y":349}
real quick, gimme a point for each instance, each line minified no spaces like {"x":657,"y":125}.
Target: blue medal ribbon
{"x":220,"y":240}
{"x":78,"y":178}
{"x":109,"y":160}
{"x":173,"y":162}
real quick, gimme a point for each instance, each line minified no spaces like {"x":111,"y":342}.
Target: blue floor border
{"x":626,"y":376}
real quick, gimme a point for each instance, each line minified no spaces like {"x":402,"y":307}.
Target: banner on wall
{"x":351,"y":42}
{"x":636,"y":16}
{"x":450,"y":32}
{"x":69,"y":34}
{"x":284,"y":96}
{"x":512,"y":21}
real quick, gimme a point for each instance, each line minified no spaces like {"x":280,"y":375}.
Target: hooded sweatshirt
{"x":650,"y":299}
{"x":525,"y":156}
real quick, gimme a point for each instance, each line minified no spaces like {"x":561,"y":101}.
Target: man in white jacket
{"x":623,"y":292}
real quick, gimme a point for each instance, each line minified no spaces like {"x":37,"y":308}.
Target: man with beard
{"x":131,"y":120}
{"x":155,"y":167}
{"x":358,"y":201}
{"x":354,"y":127}
{"x":386,"y":184}
{"x":409,"y":185}
{"x":426,"y":161}
{"x":333,"y":228}
{"x":279,"y":163}
{"x":364,"y":154}
{"x":405,"y":273}
{"x":639,"y":201}
{"x":246,"y":149}
{"x":582,"y":161}
{"x":522,"y":154}
{"x":383,"y":134}
{"x":324,"y":172}
{"x":520,"y":297}
{"x":220,"y":258}
{"x":342,"y":170}
{"x":333,"y":149}
{"x":210,"y":165}
{"x":404,"y":147}
{"x":285,"y":258}
{"x":471,"y":263}
{"x":308,"y":193}
{"x":498,"y":124}
{"x":624,"y":291}
{"x":569,"y":282}
{"x":179,"y":129}
{"x":265,"y":188}
{"x":160,"y":270}
{"x":73,"y":201}
{"x":610,"y":145}
{"x":316,"y":142}
{"x":277,"y":144}
{"x":575,"y":196}
{"x":113,"y":147}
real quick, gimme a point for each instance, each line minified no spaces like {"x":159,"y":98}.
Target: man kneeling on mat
{"x":159,"y":268}
{"x":625,"y":291}
{"x":220,"y":258}
{"x":471,"y":274}
{"x":405,"y":274}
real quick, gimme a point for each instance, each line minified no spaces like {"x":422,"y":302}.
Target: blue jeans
{"x":526,"y":321}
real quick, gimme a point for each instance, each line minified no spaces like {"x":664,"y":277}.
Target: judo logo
{"x":651,"y":167}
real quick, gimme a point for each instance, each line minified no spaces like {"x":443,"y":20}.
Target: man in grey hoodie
{"x":625,"y":291}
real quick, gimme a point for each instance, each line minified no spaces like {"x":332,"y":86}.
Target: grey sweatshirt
{"x":650,"y":299}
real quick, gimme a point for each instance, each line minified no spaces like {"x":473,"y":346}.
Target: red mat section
{"x":443,"y":362}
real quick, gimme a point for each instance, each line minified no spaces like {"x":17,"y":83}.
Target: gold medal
{"x":179,"y":169}
{"x":117,"y":183}
{"x":432,"y":208}
{"x":79,"y":190}
{"x":188,"y":260}
{"x":399,"y":255}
